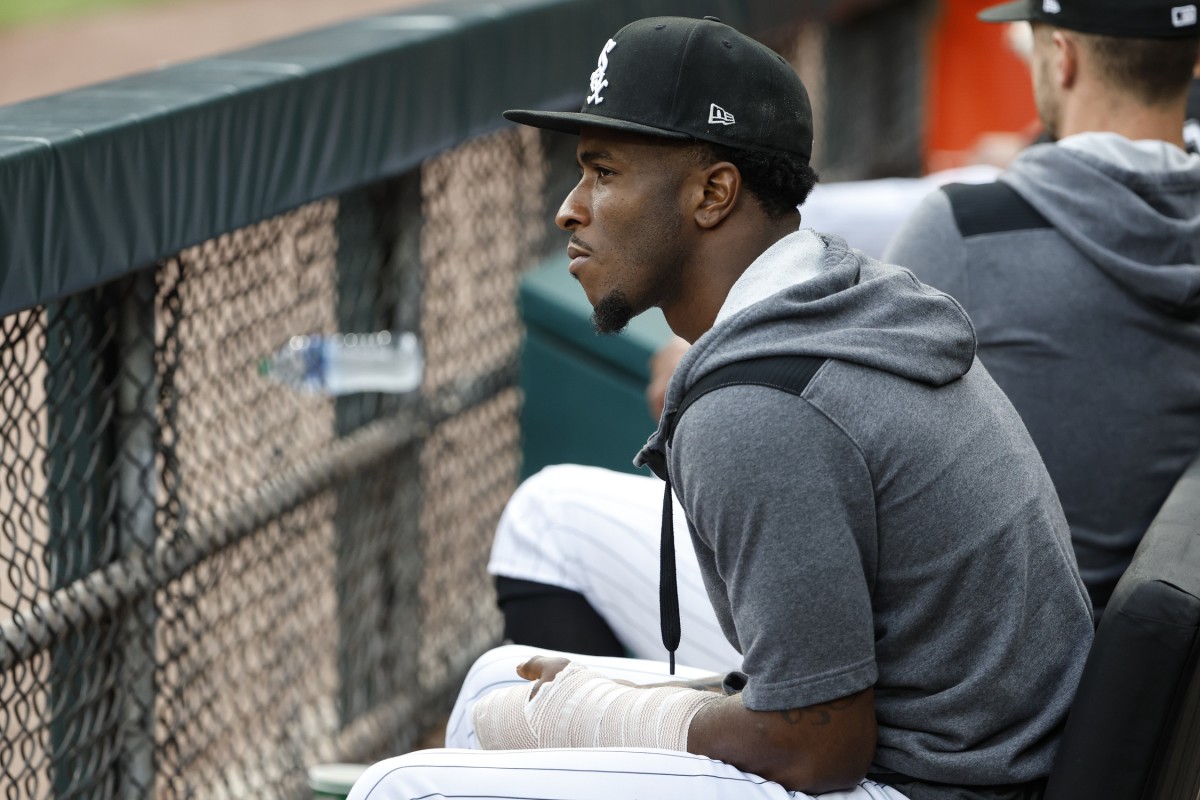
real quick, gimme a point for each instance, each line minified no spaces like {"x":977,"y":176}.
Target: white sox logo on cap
{"x":659,"y":77}
{"x":598,"y":82}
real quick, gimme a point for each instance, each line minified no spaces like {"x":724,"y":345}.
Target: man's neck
{"x":722,"y":261}
{"x":1090,"y":112}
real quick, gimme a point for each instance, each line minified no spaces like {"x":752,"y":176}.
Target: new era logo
{"x":1051,"y":7}
{"x":1183,"y":16}
{"x":719,"y":116}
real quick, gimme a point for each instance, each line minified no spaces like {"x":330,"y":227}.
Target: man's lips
{"x":577,"y":255}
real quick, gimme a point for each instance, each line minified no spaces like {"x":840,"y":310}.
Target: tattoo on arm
{"x":818,"y":714}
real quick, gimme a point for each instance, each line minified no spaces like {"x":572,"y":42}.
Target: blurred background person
{"x":1080,"y":267}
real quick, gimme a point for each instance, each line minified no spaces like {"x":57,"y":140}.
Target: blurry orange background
{"x":976,"y":85}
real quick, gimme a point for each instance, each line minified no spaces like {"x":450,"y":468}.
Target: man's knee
{"x":398,"y":778}
{"x":495,"y":669}
{"x":533,"y":529}
{"x":540,"y":491}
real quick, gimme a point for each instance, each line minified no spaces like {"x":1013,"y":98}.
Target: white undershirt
{"x":793,"y":259}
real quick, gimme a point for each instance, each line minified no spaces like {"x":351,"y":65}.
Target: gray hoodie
{"x":892,"y":527}
{"x":1086,"y":311}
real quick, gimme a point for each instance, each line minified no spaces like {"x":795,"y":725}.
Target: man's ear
{"x":720,"y":188}
{"x":1066,"y":59}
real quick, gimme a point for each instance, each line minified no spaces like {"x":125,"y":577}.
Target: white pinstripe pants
{"x":609,"y":773}
{"x":596,"y":532}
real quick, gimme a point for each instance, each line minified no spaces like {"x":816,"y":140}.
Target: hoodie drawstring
{"x":786,"y":373}
{"x":668,"y":587}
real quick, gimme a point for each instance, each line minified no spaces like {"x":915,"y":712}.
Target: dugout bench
{"x":1134,"y":728}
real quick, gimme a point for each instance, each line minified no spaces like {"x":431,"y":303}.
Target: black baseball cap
{"x":682,"y":78}
{"x":1149,"y":19}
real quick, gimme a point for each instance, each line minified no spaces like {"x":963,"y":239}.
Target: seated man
{"x":1073,"y":293}
{"x":880,"y":541}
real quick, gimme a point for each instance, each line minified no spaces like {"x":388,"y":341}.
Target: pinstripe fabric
{"x":609,"y":773}
{"x":595,"y":531}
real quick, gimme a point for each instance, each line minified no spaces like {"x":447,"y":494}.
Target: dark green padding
{"x":552,"y":301}
{"x":585,"y":394}
{"x":106,"y":179}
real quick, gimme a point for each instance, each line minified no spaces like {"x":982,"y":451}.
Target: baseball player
{"x":575,"y":554}
{"x":879,"y":541}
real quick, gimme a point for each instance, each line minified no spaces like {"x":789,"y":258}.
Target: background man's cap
{"x":1150,"y":19}
{"x":682,"y":78}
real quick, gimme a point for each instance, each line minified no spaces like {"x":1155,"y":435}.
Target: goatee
{"x":612,"y":313}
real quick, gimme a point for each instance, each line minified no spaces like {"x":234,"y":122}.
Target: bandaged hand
{"x":581,"y":708}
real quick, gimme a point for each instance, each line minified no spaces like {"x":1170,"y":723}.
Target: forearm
{"x":581,"y":708}
{"x":819,"y":748}
{"x":816,"y":749}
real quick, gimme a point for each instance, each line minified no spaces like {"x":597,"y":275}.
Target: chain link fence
{"x":212,"y":581}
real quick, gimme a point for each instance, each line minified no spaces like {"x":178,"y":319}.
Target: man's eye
{"x":602,"y":172}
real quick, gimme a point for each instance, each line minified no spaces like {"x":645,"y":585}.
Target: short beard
{"x":612,"y":313}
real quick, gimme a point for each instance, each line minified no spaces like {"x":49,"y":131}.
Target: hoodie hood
{"x":846,"y":306}
{"x":1120,"y":217}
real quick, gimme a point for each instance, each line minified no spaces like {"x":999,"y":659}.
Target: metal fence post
{"x":79,"y":446}
{"x":376,"y":520}
{"x":137,"y":482}
{"x":77,"y":536}
{"x":101,"y":507}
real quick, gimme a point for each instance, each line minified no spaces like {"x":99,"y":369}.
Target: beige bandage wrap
{"x":499,"y":719}
{"x":581,"y":708}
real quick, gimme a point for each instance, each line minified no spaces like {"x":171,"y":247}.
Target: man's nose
{"x":573,"y":212}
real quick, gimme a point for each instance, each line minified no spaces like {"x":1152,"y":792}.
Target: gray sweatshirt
{"x":1086,"y":310}
{"x":892,"y":527}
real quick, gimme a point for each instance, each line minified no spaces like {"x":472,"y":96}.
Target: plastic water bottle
{"x":345,"y":363}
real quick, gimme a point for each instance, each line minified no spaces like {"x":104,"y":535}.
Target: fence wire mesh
{"x":209,"y":581}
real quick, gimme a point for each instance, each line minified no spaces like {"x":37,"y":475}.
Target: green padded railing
{"x":104,"y":179}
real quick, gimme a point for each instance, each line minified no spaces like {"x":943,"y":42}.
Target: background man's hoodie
{"x":1086,"y":304}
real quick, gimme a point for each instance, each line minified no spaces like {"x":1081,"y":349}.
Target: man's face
{"x":627,"y":223}
{"x":1045,"y":87}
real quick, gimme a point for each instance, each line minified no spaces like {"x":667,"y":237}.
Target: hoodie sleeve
{"x":782,"y":512}
{"x":930,"y":245}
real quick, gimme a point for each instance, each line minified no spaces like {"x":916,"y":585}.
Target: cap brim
{"x":1016,"y":11}
{"x":572,"y":121}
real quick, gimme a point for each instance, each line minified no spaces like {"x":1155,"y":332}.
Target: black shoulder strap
{"x":995,"y":207}
{"x":786,"y":373}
